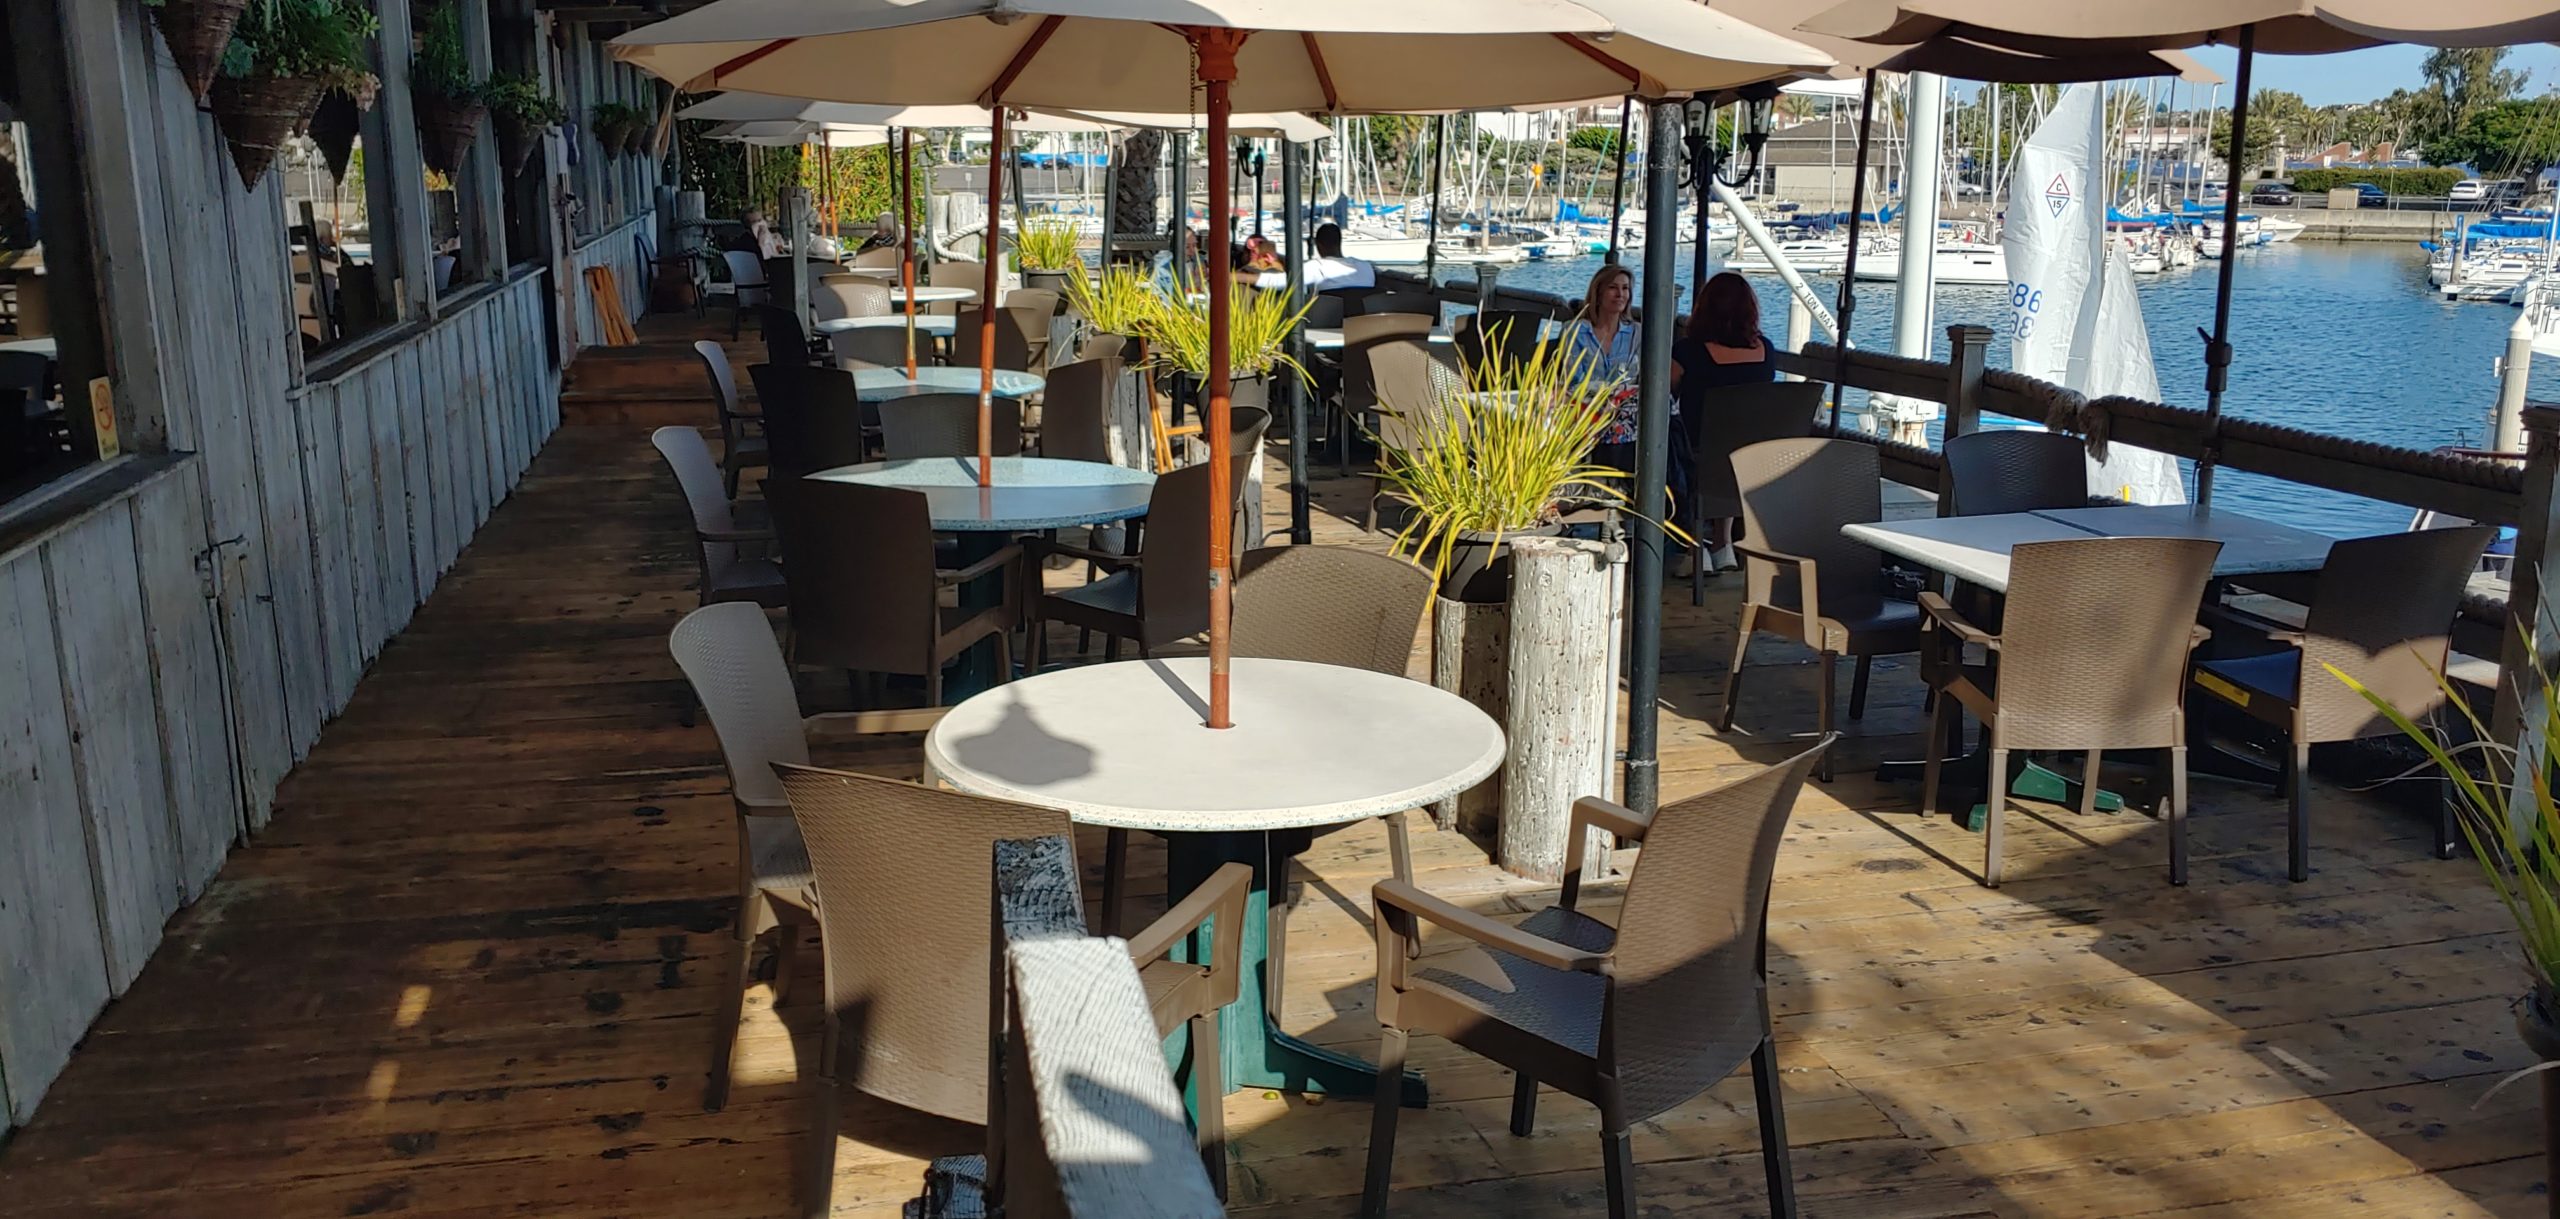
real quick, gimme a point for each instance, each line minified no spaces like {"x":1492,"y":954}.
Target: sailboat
{"x":2074,"y":315}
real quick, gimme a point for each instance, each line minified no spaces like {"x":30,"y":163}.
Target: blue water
{"x":2343,"y":338}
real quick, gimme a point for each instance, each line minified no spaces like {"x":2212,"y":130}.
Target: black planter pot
{"x":1053,"y":281}
{"x":1480,"y":564}
{"x":2538,"y":1021}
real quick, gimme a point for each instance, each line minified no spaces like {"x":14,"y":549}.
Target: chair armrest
{"x":1404,"y":899}
{"x":733,"y":535}
{"x":995,"y":562}
{"x":1946,"y":617}
{"x":1219,"y":901}
{"x":1592,"y":812}
{"x":1760,"y":579}
{"x":1771,"y":556}
{"x":1044,"y":548}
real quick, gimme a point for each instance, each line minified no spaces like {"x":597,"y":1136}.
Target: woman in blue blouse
{"x":1612,"y":342}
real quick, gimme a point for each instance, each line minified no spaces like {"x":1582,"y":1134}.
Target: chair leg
{"x":1935,"y":762}
{"x":1771,"y":1101}
{"x":732,"y":1009}
{"x":1619,"y":1160}
{"x":1733,"y":675}
{"x":1994,"y":803}
{"x":1110,"y":648}
{"x":1399,"y":847}
{"x":933,"y":685}
{"x":1115,"y":877}
{"x":1275,"y":966}
{"x":2298,"y":815}
{"x":1524,"y":1104}
{"x":2448,"y":834}
{"x":818,"y":1184}
{"x":786,"y":950}
{"x":2178,"y":815}
{"x":2089,"y":783}
{"x":1385,"y":1102}
{"x":1822,"y":700}
{"x":1858,"y":690}
{"x":1209,"y":1093}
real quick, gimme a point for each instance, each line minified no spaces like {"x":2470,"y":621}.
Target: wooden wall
{"x":170,"y":652}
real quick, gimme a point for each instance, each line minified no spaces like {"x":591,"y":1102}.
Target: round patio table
{"x":939,"y":325}
{"x":889,"y":384}
{"x":1125,"y":745}
{"x":928,"y":295}
{"x":1029,"y":494}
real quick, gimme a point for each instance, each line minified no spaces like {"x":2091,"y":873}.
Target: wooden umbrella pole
{"x":1218,"y":71}
{"x":903,"y":174}
{"x":987,"y":304}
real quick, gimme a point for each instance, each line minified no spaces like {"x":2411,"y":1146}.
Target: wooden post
{"x":795,"y":206}
{"x":1469,"y":657}
{"x":391,"y":129}
{"x":1561,"y":700}
{"x":2519,"y":710}
{"x":1966,"y":347}
{"x":484,"y":238}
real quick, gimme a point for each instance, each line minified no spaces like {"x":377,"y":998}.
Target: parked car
{"x":2272,"y":194}
{"x":2369,"y":195}
{"x":2485,"y":193}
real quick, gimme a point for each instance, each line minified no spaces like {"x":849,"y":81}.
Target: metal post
{"x":1653,"y":457}
{"x":2515,"y":372}
{"x":1293,"y":227}
{"x":1110,"y":196}
{"x":906,"y":179}
{"x":2217,"y":347}
{"x":1849,"y":268}
{"x":1618,"y":187}
{"x":1439,"y":157}
{"x":1698,"y":257}
{"x":1913,"y":298}
{"x":1181,"y":199}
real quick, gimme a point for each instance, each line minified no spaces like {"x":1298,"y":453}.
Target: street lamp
{"x":1757,"y":109}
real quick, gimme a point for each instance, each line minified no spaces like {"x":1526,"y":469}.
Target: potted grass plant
{"x":1046,"y":253}
{"x":282,"y":56}
{"x":1116,"y":303}
{"x":197,"y":31}
{"x":523,"y":112}
{"x":449,"y":98}
{"x":1258,"y":328}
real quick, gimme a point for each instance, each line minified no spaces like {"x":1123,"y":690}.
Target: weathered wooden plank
{"x":350,"y":410}
{"x":51,"y":949}
{"x":488,"y":406}
{"x":436,"y":384}
{"x":333,"y":578}
{"x":398,"y":590}
{"x":115,"y":735}
{"x":288,"y":538}
{"x":203,"y":791}
{"x":417,"y":457}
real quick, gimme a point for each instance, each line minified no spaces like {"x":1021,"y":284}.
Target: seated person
{"x":1330,"y":268}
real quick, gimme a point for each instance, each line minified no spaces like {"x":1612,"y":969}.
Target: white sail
{"x":2074,"y":318}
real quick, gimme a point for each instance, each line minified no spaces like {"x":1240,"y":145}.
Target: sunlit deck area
{"x":472,"y":967}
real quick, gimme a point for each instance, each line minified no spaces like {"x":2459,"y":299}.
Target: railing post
{"x":1799,"y":329}
{"x":1966,"y":348}
{"x":2519,"y":703}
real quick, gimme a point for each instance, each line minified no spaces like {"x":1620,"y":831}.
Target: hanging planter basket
{"x":259,"y":115}
{"x":637,"y":142}
{"x":518,"y":139}
{"x":333,"y":128}
{"x":446,"y":129}
{"x":197,"y":32}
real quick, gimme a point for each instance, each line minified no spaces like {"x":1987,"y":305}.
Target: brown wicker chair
{"x":739,"y":449}
{"x":970,"y":275}
{"x":1422,"y":303}
{"x":843,"y":296}
{"x":1412,"y":379}
{"x":726,"y":574}
{"x":1513,"y":332}
{"x":1636,"y":1019}
{"x":903,"y":876}
{"x":2091,"y":655}
{"x":1033,"y":309}
{"x":784,"y":341}
{"x":1360,"y":334}
{"x":1075,"y":416}
{"x":1020,"y":337}
{"x":879,"y":256}
{"x":1737,"y":417}
{"x":2382,"y":612}
{"x":814,"y":419}
{"x":2011,"y":470}
{"x":1151,"y":598}
{"x":876,"y":347}
{"x":946,"y":425}
{"x":864,"y":587}
{"x":1802,"y":579}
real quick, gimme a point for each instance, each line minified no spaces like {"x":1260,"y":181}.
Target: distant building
{"x":1812,"y":162}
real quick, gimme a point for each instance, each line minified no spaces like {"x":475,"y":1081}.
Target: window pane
{"x":44,"y":293}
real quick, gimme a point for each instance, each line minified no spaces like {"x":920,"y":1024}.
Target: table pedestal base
{"x":1254,"y":1053}
{"x":979,"y":669}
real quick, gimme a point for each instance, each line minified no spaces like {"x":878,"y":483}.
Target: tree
{"x":2461,"y":81}
{"x":2275,"y":116}
{"x":2510,"y":139}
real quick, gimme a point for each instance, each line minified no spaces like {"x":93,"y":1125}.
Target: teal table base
{"x":1253,"y":1052}
{"x":2037,"y":783}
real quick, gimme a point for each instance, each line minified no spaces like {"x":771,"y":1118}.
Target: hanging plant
{"x":522,"y":112}
{"x":449,"y":99}
{"x":333,"y":129}
{"x":197,"y":31}
{"x":282,"y":55}
{"x":617,"y":125}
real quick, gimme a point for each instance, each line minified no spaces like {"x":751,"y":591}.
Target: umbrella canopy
{"x":738,"y":106}
{"x":773,"y":134}
{"x":1288,"y":125}
{"x":2284,"y":27}
{"x":1947,"y":53}
{"x":1136,"y":55}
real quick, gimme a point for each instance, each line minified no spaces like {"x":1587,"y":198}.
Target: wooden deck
{"x":470,"y":970}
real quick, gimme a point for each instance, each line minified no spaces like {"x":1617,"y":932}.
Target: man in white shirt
{"x":1328,"y":269}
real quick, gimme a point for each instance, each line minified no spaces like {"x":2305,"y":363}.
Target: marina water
{"x":2342,"y":338}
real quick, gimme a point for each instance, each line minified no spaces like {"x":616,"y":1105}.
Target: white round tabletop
{"x":1126,"y":745}
{"x":888,"y":384}
{"x":869,"y":272}
{"x":927,"y":294}
{"x":939,"y":325}
{"x":1025,"y":493}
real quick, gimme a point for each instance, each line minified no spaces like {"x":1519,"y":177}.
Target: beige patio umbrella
{"x":1146,"y":55}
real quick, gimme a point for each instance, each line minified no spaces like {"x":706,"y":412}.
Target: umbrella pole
{"x":1292,"y":238}
{"x":1217,"y":49}
{"x":2217,"y":348}
{"x":987,"y":303}
{"x":1439,"y":157}
{"x":1698,"y":256}
{"x":1849,"y":267}
{"x":1618,"y":187}
{"x":1653,"y":454}
{"x":904,"y":175}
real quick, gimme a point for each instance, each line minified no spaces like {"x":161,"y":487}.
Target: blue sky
{"x":2357,"y":76}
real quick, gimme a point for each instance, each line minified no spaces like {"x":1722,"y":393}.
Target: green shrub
{"x":2413,"y":183}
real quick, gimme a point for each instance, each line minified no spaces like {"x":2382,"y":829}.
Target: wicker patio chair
{"x":814,"y":419}
{"x":847,"y":296}
{"x":946,"y":425}
{"x":1514,"y":332}
{"x":2012,"y":470}
{"x":1637,"y":1019}
{"x":903,"y":875}
{"x":726,"y":574}
{"x":1361,"y":334}
{"x":1158,"y":594}
{"x":877,"y":347}
{"x":865,"y":589}
{"x":2091,"y":655}
{"x":784,"y":341}
{"x":748,"y":288}
{"x":1412,"y":379}
{"x":1075,"y":416}
{"x":1017,"y":340}
{"x":1736,"y":417}
{"x":2382,"y":612}
{"x":739,"y":450}
{"x":1401,"y":302}
{"x":1802,"y":579}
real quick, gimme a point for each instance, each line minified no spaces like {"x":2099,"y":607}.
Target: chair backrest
{"x":1411,"y":375}
{"x":903,"y":875}
{"x":1040,"y":301}
{"x":698,"y":476}
{"x":860,"y":574}
{"x":1245,"y":426}
{"x":956,"y":274}
{"x":2015,"y":470}
{"x":1173,"y":587}
{"x":1103,"y":344}
{"x":946,"y":425}
{"x":1402,"y":302}
{"x":813,"y":418}
{"x":1075,"y":413}
{"x":784,"y":341}
{"x":2094,"y":639}
{"x":728,"y":653}
{"x":1737,"y":416}
{"x":878,"y":256}
{"x":1796,"y":494}
{"x":1013,"y":338}
{"x":1686,"y":1004}
{"x":1333,"y":605}
{"x":31,"y":371}
{"x":724,"y":382}
{"x":2382,"y":611}
{"x":842,"y":296}
{"x":1513,"y":332}
{"x":1365,"y":331}
{"x":1325,"y":311}
{"x":745,"y":269}
{"x":876,"y":347}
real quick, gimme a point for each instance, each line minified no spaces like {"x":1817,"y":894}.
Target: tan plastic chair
{"x":2091,"y":655}
{"x":1402,"y":302}
{"x":1413,"y":379}
{"x":865,"y":589}
{"x":972,"y":275}
{"x":1802,"y":579}
{"x":814,"y":419}
{"x":726,"y":574}
{"x":1152,"y":597}
{"x":2011,"y":470}
{"x":1637,"y":1019}
{"x":739,"y":449}
{"x":1075,"y":420}
{"x":1360,"y":335}
{"x":877,"y":347}
{"x":1513,"y":332}
{"x":1736,"y":417}
{"x":1017,"y":340}
{"x":728,"y":654}
{"x":2382,"y":612}
{"x":846,"y":296}
{"x":904,"y":874}
{"x":946,"y":425}
{"x":1034,"y":309}
{"x":878,"y":256}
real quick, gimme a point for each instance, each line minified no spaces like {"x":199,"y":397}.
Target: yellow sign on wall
{"x":102,"y":414}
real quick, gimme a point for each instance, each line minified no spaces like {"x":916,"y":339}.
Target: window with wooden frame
{"x":339,"y":210}
{"x":51,"y":342}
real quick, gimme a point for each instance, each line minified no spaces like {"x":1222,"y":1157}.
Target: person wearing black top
{"x":1724,"y":346}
